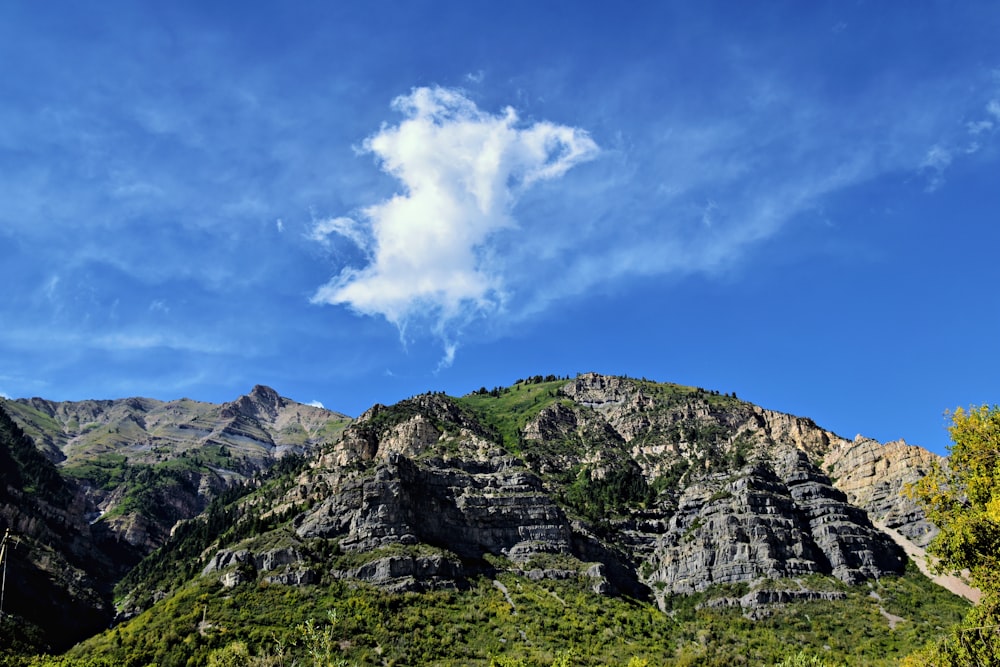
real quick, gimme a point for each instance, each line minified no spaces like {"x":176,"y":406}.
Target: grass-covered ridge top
{"x":507,"y":410}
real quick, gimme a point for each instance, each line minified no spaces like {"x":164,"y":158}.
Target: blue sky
{"x":357,"y":202}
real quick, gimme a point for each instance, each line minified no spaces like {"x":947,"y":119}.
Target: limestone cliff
{"x":778,"y":517}
{"x":649,"y":488}
{"x":874,"y":476}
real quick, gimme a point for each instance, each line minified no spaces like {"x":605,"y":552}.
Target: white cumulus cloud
{"x":428,"y":247}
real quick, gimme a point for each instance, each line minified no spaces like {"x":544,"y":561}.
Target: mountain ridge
{"x":643,"y":489}
{"x":134,"y":467}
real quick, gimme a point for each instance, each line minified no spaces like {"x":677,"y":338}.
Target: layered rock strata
{"x":721,"y":492}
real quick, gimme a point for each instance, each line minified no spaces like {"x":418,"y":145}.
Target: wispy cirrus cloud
{"x":993,"y":109}
{"x":980,"y":131}
{"x":130,"y":339}
{"x":348,"y":228}
{"x":934,"y":165}
{"x":691,"y":193}
{"x":429,"y":247}
{"x":699,"y":189}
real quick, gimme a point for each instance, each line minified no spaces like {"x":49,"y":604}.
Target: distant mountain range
{"x":631,"y":489}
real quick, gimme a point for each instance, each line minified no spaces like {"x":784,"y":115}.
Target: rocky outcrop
{"x":472,"y":509}
{"x":408,"y":573}
{"x":771,"y":520}
{"x":425,"y":475}
{"x":412,"y":428}
{"x":662,"y":422}
{"x":267,"y":561}
{"x":667,"y":423}
{"x":799,"y":432}
{"x":874,"y":477}
{"x":752,"y":505}
{"x":261,"y":404}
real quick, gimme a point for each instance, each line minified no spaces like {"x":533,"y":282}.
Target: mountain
{"x":144,"y":464}
{"x":50,"y":553}
{"x":668,"y":502}
{"x":259,"y":426}
{"x":659,"y":489}
{"x":125,"y":472}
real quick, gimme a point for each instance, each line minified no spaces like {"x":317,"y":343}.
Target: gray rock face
{"x":407,"y":573}
{"x":287,"y":566}
{"x":874,"y":477}
{"x":693,"y":489}
{"x":780,"y":519}
{"x":265,"y":562}
{"x":645,"y":488}
{"x":469,"y":508}
{"x":777,"y":515}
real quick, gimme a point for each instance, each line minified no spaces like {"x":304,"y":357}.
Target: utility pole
{"x":7,"y":537}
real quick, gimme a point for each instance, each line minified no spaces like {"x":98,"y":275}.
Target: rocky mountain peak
{"x":264,"y":393}
{"x":598,"y":390}
{"x":261,"y":402}
{"x":126,"y":441}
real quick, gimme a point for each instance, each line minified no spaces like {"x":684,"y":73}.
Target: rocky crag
{"x":874,"y":475}
{"x":648,"y":489}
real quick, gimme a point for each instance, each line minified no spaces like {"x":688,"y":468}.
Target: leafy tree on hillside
{"x":963,"y":500}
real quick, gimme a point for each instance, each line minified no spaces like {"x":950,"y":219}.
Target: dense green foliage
{"x":224,"y":522}
{"x":597,"y":498}
{"x":106,"y":471}
{"x":145,"y":485}
{"x":513,"y":621}
{"x":963,"y":499}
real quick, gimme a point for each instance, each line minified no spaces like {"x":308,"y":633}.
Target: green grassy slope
{"x":517,"y":619}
